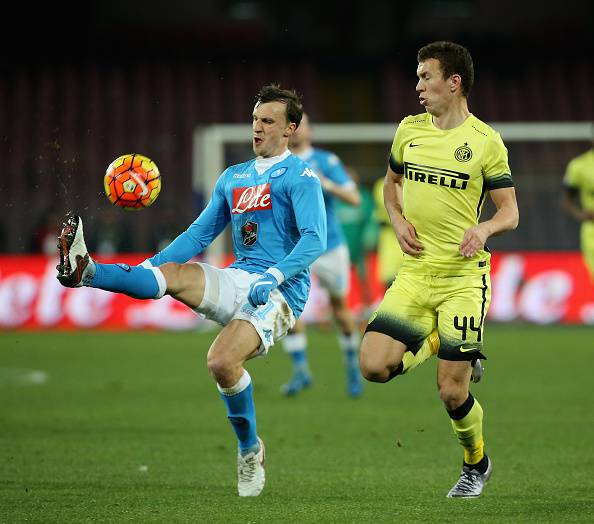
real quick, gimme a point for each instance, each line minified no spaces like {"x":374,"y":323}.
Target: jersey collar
{"x":263,"y":164}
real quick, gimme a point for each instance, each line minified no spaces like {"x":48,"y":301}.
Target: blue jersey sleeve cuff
{"x":276,"y":274}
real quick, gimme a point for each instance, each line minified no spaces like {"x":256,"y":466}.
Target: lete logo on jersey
{"x":253,"y":198}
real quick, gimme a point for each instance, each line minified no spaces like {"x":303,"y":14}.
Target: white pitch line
{"x":22,"y":377}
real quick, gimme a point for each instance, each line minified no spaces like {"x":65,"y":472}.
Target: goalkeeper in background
{"x":578,"y":201}
{"x":442,"y":165}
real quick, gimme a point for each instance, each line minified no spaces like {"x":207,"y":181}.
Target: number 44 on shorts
{"x":464,"y":324}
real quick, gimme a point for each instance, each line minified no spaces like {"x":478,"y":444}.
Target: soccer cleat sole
{"x":67,"y":275}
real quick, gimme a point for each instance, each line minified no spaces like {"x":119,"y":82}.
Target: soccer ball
{"x":132,"y":182}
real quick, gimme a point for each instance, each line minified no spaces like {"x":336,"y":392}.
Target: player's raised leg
{"x":77,"y":268}
{"x":393,"y":344}
{"x":237,"y":342}
{"x":184,"y":282}
{"x":383,"y":358}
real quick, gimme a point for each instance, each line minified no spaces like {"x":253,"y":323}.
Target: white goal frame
{"x":208,"y":147}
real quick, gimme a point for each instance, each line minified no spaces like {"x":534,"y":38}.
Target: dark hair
{"x":274,"y":93}
{"x":453,"y":59}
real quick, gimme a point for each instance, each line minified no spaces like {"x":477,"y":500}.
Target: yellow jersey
{"x":580,"y":176}
{"x":447,"y":174}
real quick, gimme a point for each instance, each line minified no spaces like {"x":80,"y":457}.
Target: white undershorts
{"x":225,"y":299}
{"x":333,"y":271}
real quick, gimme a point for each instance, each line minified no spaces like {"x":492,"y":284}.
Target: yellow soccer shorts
{"x":417,"y":304}
{"x":587,"y":242}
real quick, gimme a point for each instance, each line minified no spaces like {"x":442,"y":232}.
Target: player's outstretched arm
{"x":505,"y":219}
{"x":199,"y":235}
{"x":405,"y":231}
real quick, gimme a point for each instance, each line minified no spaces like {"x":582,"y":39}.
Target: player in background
{"x":389,"y":253}
{"x":442,"y":164}
{"x":579,"y":187}
{"x":360,"y":231}
{"x":276,"y":209}
{"x":332,"y":268}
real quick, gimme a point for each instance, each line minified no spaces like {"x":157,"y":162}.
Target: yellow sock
{"x":429,"y":347}
{"x":467,"y":421}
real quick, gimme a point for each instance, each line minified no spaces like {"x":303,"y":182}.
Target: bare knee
{"x":221,"y":368}
{"x":377,"y":361}
{"x":185,"y":282}
{"x":452,"y":393}
{"x":453,"y":378}
{"x":173,"y":273}
{"x":237,"y":342}
{"x":371,"y":368}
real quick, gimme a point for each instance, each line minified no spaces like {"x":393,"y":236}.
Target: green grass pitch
{"x":129,"y":428}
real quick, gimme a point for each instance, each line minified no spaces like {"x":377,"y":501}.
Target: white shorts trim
{"x":225,"y":299}
{"x":333,"y":271}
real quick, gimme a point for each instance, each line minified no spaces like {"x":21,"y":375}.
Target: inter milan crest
{"x":463,"y":153}
{"x":249,"y":233}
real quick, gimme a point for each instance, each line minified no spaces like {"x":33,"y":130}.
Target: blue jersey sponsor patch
{"x":278,"y":172}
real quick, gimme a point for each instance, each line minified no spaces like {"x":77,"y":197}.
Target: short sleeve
{"x":496,"y":168}
{"x":572,"y":176}
{"x":396,"y":153}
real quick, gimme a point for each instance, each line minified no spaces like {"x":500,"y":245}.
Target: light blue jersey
{"x":278,"y":220}
{"x":330,"y":166}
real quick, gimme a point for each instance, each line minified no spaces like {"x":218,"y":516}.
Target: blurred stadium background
{"x":106,"y":78}
{"x":83,"y":84}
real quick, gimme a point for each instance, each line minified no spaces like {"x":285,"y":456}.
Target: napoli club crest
{"x":249,"y":233}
